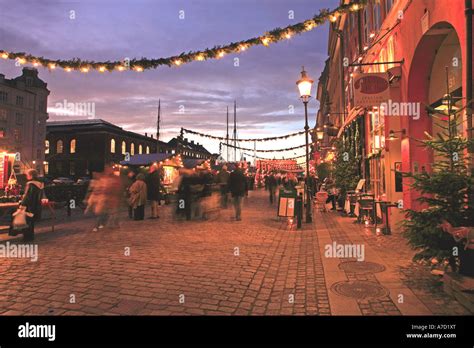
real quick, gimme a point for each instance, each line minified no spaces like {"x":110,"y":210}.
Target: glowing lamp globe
{"x":304,"y":85}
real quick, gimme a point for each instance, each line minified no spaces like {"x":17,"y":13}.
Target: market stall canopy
{"x":146,"y":159}
{"x":190,"y":163}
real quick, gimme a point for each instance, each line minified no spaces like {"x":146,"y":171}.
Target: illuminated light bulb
{"x":243,"y":47}
{"x":177,"y":62}
{"x":52,"y":66}
{"x":359,"y":59}
{"x":85,"y":69}
{"x":138,"y":68}
{"x":266,"y":41}
{"x":288,"y":35}
{"x":120,"y":68}
{"x":355,"y":7}
{"x":372,"y":35}
{"x":309,"y":25}
{"x":36,"y":63}
{"x":366,"y":48}
{"x":221,"y":54}
{"x":333,"y":18}
{"x":21,"y":60}
{"x":5,"y":55}
{"x":200,"y":57}
{"x":68,"y":69}
{"x":102,"y":69}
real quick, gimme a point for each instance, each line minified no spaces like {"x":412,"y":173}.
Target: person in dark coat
{"x":31,"y":201}
{"x":237,"y":188}
{"x":154,"y":190}
{"x":272,"y":185}
{"x":223,"y":180}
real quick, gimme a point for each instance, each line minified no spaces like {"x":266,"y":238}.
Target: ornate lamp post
{"x":304,"y":86}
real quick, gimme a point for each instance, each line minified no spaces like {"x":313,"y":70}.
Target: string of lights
{"x":242,"y":140}
{"x":141,"y":64}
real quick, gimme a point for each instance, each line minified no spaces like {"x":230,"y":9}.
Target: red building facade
{"x":413,"y":42}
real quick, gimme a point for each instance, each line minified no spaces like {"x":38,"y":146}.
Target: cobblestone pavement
{"x":214,"y":267}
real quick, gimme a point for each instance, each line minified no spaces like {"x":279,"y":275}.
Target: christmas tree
{"x":445,"y":192}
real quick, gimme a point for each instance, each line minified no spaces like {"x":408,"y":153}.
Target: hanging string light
{"x":139,"y":65}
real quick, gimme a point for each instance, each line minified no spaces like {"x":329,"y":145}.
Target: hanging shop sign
{"x":371,"y":89}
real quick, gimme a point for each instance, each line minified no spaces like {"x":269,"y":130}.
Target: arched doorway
{"x":438,"y":48}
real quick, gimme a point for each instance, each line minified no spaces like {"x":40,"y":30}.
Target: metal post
{"x":227,"y":136}
{"x":308,"y":198}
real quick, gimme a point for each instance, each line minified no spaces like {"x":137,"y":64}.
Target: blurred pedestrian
{"x":154,"y":188}
{"x":31,"y":202}
{"x":272,"y":185}
{"x":223,"y":181}
{"x":138,"y":197}
{"x":237,"y":186}
{"x":129,"y":180}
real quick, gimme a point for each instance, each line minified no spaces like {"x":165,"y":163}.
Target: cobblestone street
{"x":218,"y":267}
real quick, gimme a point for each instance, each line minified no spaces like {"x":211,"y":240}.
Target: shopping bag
{"x":19,"y":219}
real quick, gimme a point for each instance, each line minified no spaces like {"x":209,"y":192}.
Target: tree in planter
{"x":346,"y":168}
{"x":446,"y":193}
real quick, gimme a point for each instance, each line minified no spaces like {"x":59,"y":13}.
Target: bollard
{"x":299,"y":210}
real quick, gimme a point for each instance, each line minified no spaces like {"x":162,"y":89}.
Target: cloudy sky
{"x":193,"y":96}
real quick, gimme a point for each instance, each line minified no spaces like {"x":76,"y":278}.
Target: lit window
{"x":46,"y":167}
{"x":73,"y":146}
{"x":46,"y":146}
{"x":147,"y":149}
{"x":124,"y":147}
{"x":140,"y":149}
{"x":132,"y":149}
{"x":112,"y":145}
{"x":59,"y":146}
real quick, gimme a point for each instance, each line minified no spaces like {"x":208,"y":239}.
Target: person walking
{"x":128,"y":182}
{"x":138,"y":197}
{"x":237,"y":185}
{"x":222,"y":181}
{"x":31,"y":202}
{"x":154,"y":190}
{"x":272,"y":184}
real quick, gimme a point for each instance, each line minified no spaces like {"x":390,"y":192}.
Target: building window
{"x":19,"y":100}
{"x":17,"y":134}
{"x":72,"y":168}
{"x":124,"y":147}
{"x":377,"y":16}
{"x":2,"y":132}
{"x":73,"y":146}
{"x":377,"y":143}
{"x":390,"y":53}
{"x":3,"y":97}
{"x":366,"y":25}
{"x":388,"y":6}
{"x":3,"y":115}
{"x":132,"y":149}
{"x":59,"y":146}
{"x":46,"y":146}
{"x":19,"y":118}
{"x":140,"y":149}
{"x":147,"y":149}
{"x":46,"y":167}
{"x":112,"y":145}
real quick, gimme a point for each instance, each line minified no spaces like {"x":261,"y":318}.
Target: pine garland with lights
{"x":184,"y":130}
{"x":141,"y":64}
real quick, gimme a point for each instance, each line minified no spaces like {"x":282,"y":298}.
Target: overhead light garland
{"x":241,"y":140}
{"x":275,"y":159}
{"x":256,"y":150}
{"x":139,"y":65}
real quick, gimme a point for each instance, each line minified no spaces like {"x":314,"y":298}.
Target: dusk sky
{"x":264,"y":83}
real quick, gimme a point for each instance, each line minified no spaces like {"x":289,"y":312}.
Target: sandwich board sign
{"x":286,"y":203}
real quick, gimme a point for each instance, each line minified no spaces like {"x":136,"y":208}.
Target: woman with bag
{"x":31,"y":203}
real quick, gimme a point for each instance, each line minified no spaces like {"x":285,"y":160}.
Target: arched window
{"x":112,"y":145}
{"x":132,"y":149}
{"x":140,"y":149}
{"x":147,"y":149}
{"x":46,"y":146}
{"x":124,"y":147}
{"x":59,"y":146}
{"x":72,"y":146}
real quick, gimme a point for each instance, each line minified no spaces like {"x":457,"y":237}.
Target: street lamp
{"x":304,"y":86}
{"x":319,"y":133}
